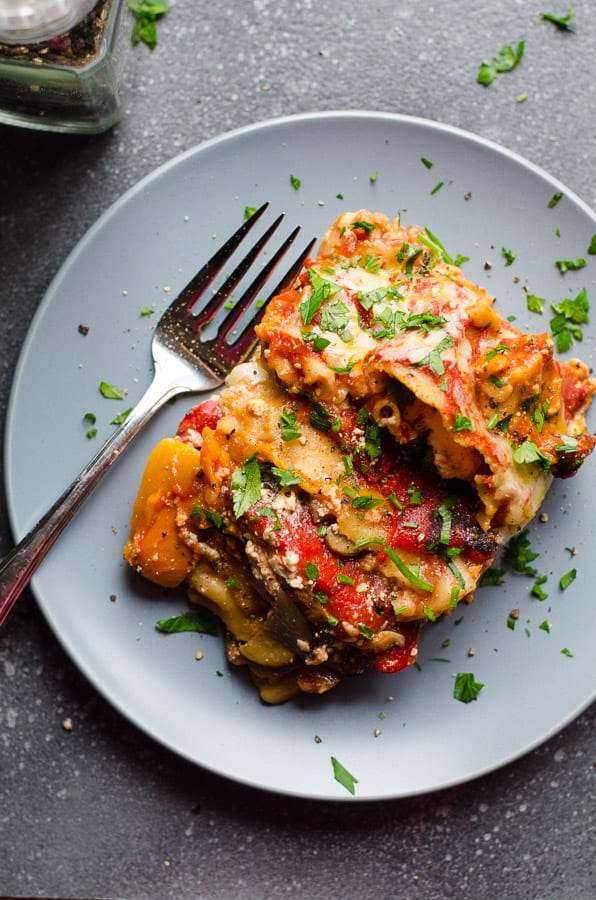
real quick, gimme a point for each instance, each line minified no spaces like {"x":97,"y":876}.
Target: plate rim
{"x":394,"y":119}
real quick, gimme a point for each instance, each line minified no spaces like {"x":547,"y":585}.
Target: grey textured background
{"x":101,"y":812}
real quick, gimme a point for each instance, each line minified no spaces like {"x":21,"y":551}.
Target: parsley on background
{"x":146,"y":15}
{"x":506,"y":60}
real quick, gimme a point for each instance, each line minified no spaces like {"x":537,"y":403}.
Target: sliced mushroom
{"x":341,"y":545}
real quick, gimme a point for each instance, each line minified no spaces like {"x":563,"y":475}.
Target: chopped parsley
{"x":319,"y":417}
{"x":426,"y":162}
{"x":506,"y":60}
{"x":365,"y":631}
{"x":377,"y":295}
{"x":466,"y":688}
{"x":498,"y":382}
{"x":146,"y":15}
{"x":203,"y":622}
{"x":568,"y":444}
{"x":567,"y":578}
{"x":365,"y":502}
{"x":535,"y":304}
{"x":360,"y":225}
{"x":444,"y":512}
{"x":433,"y":243}
{"x":408,"y":254}
{"x":562,"y":22}
{"x":461,"y":423}
{"x":508,"y":256}
{"x":286,"y":477}
{"x":500,"y":348}
{"x":592,"y":246}
{"x":556,"y":197}
{"x":311,"y":571}
{"x":288,"y":426}
{"x":341,"y":775}
{"x":407,"y":572}
{"x":528,"y":453}
{"x":246,"y":486}
{"x":322,"y":290}
{"x":121,"y":417}
{"x":110,"y":391}
{"x":568,"y":265}
{"x":492,"y":577}
{"x":372,"y":440}
{"x":518,"y":554}
{"x":341,"y":578}
{"x":336,"y":318}
{"x":317,"y":340}
{"x":434,"y":360}
{"x":295,"y":182}
{"x":214,"y":518}
{"x":570,"y":314}
{"x":537,"y":590}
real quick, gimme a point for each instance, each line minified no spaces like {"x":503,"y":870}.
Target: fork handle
{"x":18,"y":567}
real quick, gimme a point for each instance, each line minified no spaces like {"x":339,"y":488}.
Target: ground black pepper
{"x":77,"y":47}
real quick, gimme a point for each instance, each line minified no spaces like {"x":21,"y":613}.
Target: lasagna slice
{"x":354,"y":480}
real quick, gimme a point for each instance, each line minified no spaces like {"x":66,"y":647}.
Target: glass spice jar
{"x":61,"y":64}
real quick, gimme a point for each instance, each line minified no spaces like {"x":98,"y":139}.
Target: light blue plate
{"x":153,"y":239}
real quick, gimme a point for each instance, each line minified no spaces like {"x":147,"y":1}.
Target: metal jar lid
{"x":32,"y":21}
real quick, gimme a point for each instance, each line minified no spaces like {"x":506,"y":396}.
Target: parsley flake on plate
{"x":567,"y":578}
{"x":110,"y":391}
{"x":341,"y":775}
{"x":518,"y":554}
{"x":568,"y":265}
{"x":570,"y":314}
{"x":508,"y":255}
{"x":466,"y":688}
{"x":203,"y":622}
{"x":534,"y":303}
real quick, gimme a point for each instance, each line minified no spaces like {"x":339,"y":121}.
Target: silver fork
{"x":183,"y":363}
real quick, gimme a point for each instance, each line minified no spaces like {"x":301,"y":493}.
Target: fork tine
{"x":196,"y":287}
{"x":223,"y":293}
{"x":250,"y":293}
{"x":230,"y":354}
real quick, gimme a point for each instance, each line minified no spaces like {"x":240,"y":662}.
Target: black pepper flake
{"x":83,"y":329}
